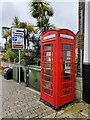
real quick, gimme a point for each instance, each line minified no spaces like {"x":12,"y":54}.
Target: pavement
{"x":19,"y":101}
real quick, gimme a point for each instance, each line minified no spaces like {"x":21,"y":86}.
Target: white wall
{"x":87,"y":35}
{"x":89,"y":32}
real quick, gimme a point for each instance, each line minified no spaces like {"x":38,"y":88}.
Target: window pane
{"x":66,"y":91}
{"x":47,"y":78}
{"x":47,"y":53}
{"x":47,"y":47}
{"x":68,"y":59}
{"x":47,"y":91}
{"x":47,"y":66}
{"x":67,"y":66}
{"x":68,"y":71}
{"x":48,"y":85}
{"x":48,"y":72}
{"x":47,"y":59}
{"x":67,"y":47}
{"x":67,"y":53}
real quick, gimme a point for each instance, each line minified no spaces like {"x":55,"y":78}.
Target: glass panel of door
{"x":47,"y":68}
{"x":67,"y":69}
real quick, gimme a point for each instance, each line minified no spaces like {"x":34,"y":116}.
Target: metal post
{"x":19,"y":66}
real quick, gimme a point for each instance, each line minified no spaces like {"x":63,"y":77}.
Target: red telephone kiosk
{"x":57,"y":67}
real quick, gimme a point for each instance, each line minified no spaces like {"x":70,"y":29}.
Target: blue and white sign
{"x":18,"y":38}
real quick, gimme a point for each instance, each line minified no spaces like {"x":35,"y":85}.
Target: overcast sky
{"x":65,"y":14}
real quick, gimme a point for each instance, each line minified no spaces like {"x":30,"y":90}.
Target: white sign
{"x":49,"y":36}
{"x":18,"y":41}
{"x":67,"y":36}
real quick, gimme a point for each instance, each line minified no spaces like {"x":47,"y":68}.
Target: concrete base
{"x":78,"y":88}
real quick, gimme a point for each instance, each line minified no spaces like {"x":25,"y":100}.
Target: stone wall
{"x":78,"y":88}
{"x":8,"y":64}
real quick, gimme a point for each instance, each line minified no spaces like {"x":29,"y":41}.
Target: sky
{"x":65,"y":14}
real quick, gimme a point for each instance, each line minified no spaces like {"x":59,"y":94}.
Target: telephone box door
{"x":47,"y":72}
{"x":67,"y":71}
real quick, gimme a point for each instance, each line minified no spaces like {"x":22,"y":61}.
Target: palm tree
{"x":7,"y":34}
{"x":41,"y":11}
{"x":22,"y":25}
{"x":30,"y":28}
{"x":16,"y":22}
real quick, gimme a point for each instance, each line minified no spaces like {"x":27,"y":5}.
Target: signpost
{"x":19,"y":66}
{"x":18,"y":41}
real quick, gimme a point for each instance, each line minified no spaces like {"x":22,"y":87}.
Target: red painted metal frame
{"x":58,"y":79}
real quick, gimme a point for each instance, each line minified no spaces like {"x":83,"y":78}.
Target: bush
{"x":5,"y":57}
{"x":10,"y":55}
